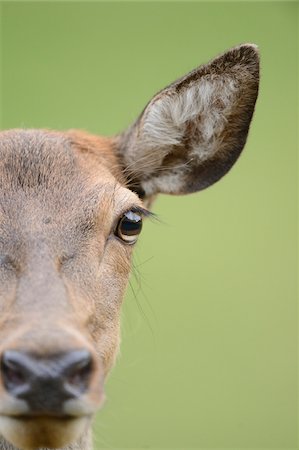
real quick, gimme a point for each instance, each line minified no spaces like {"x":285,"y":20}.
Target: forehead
{"x":64,"y":173}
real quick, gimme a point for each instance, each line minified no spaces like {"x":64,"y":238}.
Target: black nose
{"x":45,"y":383}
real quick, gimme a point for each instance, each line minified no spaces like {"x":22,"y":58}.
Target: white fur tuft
{"x":205,"y":104}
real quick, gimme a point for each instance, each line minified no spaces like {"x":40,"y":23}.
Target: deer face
{"x":71,"y":209}
{"x":67,"y":229}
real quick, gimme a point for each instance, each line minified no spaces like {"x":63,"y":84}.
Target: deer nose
{"x":45,"y":383}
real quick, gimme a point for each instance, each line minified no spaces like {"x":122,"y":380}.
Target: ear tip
{"x":246,"y":53}
{"x":249,"y":45}
{"x":250,"y":49}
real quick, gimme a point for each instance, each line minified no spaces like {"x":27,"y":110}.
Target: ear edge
{"x":215,"y":168}
{"x":244,"y":57}
{"x":200,"y":176}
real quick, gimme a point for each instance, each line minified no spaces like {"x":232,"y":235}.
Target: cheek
{"x":8,"y":287}
{"x":113,"y":278}
{"x":103,"y":292}
{"x":114,"y":272}
{"x":107,"y":346}
{"x":102,"y":280}
{"x":8,"y":284}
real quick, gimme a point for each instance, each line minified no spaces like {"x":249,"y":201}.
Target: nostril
{"x":14,"y":373}
{"x":77,"y":373}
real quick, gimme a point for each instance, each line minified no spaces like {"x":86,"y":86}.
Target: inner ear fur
{"x":192,"y":132}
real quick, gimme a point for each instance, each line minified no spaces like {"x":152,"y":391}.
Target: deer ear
{"x":191,"y":133}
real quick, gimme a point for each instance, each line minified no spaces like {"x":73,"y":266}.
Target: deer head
{"x":71,"y":210}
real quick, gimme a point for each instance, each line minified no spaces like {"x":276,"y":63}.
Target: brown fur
{"x":63,"y":271}
{"x":153,"y":168}
{"x":59,"y":203}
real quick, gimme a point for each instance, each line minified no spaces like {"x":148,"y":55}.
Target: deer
{"x":71,"y":211}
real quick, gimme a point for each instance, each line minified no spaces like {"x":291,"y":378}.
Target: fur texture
{"x":63,"y":267}
{"x":192,"y":132}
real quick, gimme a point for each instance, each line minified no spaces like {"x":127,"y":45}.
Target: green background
{"x":208,"y":356}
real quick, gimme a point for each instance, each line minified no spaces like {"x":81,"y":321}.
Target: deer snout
{"x":45,"y":383}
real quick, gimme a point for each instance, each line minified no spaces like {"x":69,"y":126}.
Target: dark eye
{"x":129,"y":227}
